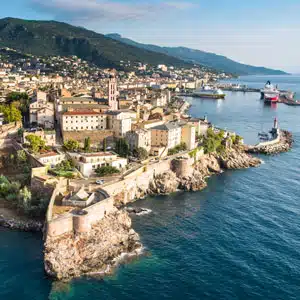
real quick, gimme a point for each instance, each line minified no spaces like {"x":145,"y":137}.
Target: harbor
{"x":269,"y":93}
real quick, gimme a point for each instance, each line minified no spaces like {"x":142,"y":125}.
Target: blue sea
{"x":237,"y":239}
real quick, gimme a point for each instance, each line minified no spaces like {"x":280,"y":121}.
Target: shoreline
{"x":99,"y":251}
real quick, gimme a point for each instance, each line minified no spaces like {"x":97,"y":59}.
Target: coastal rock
{"x":195,"y":182}
{"x":71,"y":255}
{"x":237,"y":159}
{"x":164,"y":183}
{"x":208,"y":165}
{"x":30,"y":226}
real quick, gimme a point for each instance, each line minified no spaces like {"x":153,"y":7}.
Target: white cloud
{"x":91,"y":10}
{"x":180,"y":4}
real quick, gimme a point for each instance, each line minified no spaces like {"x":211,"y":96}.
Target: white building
{"x":140,"y":138}
{"x":81,"y":120}
{"x":87,"y":163}
{"x":120,"y":122}
{"x":41,"y":111}
{"x":51,"y":158}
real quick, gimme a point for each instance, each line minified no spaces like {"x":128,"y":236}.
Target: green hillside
{"x":57,"y":38}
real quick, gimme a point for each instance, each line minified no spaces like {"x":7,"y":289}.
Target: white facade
{"x":140,"y":138}
{"x":83,"y":120}
{"x":51,"y":159}
{"x":41,"y":111}
{"x":121,"y":127}
{"x":120,"y":122}
{"x":87,"y":163}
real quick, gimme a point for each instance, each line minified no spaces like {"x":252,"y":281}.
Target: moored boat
{"x":209,"y":92}
{"x":270,"y":91}
{"x":271,"y":98}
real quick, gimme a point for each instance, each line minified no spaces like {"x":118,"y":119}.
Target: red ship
{"x":271,"y":98}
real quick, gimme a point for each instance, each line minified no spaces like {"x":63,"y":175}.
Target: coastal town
{"x":78,"y":143}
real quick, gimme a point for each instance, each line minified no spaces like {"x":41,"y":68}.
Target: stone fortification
{"x":71,"y":255}
{"x":86,"y":240}
{"x":76,"y":220}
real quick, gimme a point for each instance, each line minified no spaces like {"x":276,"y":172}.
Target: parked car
{"x":100,"y":181}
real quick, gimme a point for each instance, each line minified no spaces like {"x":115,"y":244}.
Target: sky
{"x":258,"y":32}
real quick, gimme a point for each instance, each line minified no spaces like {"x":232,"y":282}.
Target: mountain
{"x":211,"y":60}
{"x":43,"y":38}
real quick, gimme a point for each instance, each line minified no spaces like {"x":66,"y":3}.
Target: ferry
{"x":209,"y":92}
{"x":269,"y":92}
{"x":271,"y":98}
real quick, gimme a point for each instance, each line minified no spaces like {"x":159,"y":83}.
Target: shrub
{"x":140,"y":153}
{"x":179,"y":148}
{"x":107,"y":170}
{"x":36,"y":143}
{"x":71,"y":145}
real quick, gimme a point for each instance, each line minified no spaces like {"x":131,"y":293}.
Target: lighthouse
{"x":275,"y":124}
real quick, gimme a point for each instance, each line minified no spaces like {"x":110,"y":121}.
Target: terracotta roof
{"x":82,"y":112}
{"x":48,"y":154}
{"x":98,"y":154}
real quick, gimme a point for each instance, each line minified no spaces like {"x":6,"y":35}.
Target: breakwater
{"x":282,"y":142}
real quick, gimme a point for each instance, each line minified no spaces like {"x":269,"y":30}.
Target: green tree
{"x":122,"y":147}
{"x":179,"y":148}
{"x":21,"y":157}
{"x":36,"y":143}
{"x":87,"y":144}
{"x":107,"y":170}
{"x":65,"y":165}
{"x":25,"y":199}
{"x":11,"y":113}
{"x":140,"y":153}
{"x":104,"y":144}
{"x":71,"y":145}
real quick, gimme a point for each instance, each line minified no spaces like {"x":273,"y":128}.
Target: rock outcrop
{"x":165,"y":183}
{"x":15,"y":224}
{"x":208,"y":165}
{"x":194,"y":182}
{"x":238,"y":159}
{"x":72,"y":255}
{"x":234,"y":158}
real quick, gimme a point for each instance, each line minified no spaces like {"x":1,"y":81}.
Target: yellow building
{"x":188,"y":136}
{"x":167,"y":135}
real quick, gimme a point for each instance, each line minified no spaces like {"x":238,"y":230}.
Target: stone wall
{"x":136,"y":184}
{"x":77,"y":221}
{"x":7,"y":133}
{"x":96,"y":136}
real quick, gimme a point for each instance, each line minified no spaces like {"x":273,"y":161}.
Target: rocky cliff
{"x":209,"y":164}
{"x":71,"y":255}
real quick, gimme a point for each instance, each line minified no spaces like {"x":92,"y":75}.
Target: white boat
{"x":270,"y":91}
{"x":209,"y":92}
